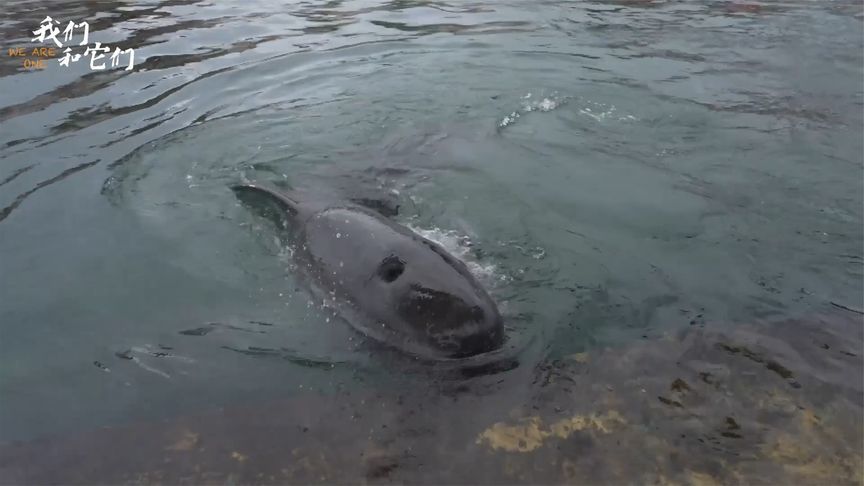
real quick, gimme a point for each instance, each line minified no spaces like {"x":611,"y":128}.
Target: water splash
{"x":529,"y":104}
{"x":460,"y":245}
{"x":598,"y":111}
{"x":545,"y":104}
{"x":602,"y":112}
{"x":508,"y":120}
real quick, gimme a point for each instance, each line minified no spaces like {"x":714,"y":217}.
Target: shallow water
{"x":612,"y":171}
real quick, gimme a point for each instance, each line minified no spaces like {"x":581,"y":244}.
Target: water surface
{"x":613,"y":171}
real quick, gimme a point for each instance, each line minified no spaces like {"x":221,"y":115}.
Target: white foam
{"x":150,"y":368}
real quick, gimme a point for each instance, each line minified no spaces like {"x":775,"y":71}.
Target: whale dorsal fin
{"x":278,"y":205}
{"x":285,"y":199}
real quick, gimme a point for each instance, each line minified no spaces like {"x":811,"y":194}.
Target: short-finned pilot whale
{"x":389,"y":283}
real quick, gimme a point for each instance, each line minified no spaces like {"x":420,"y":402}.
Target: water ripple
{"x":622,"y":169}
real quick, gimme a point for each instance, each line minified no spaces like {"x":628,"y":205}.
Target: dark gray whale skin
{"x":387,"y":281}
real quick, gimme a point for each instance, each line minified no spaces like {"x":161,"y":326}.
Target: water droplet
{"x":338,"y":235}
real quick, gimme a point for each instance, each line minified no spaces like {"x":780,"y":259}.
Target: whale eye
{"x":391,"y":268}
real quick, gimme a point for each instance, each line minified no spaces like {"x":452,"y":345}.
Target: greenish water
{"x":612,"y":171}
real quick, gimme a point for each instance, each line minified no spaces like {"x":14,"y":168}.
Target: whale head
{"x":431,"y":298}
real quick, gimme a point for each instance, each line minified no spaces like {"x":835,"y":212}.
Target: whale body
{"x":387,"y":281}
